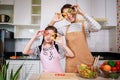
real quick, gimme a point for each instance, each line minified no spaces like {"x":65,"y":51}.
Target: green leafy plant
{"x":3,"y":72}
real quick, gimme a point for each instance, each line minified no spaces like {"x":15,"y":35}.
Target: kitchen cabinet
{"x":105,"y":10}
{"x":29,"y":67}
{"x":7,"y":10}
{"x":111,"y":12}
{"x":27,"y":12}
{"x":27,"y":18}
{"x":48,"y":9}
{"x":7,"y":2}
{"x":98,"y":8}
{"x":22,"y":12}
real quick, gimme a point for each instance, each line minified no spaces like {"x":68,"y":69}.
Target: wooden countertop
{"x":61,"y":76}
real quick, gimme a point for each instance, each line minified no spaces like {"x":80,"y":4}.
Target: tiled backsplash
{"x":20,"y":44}
{"x":98,"y":42}
{"x":118,"y":25}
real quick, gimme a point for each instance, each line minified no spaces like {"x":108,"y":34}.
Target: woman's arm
{"x":27,"y":49}
{"x":93,"y":24}
{"x":56,"y":18}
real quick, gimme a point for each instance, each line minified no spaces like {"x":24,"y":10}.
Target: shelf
{"x":7,"y":10}
{"x":36,"y":2}
{"x":6,"y":23}
{"x":36,"y":12}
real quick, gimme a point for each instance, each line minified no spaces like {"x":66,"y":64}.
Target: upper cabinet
{"x":48,"y":9}
{"x":98,"y":9}
{"x":22,"y":12}
{"x":7,"y":2}
{"x":27,"y":12}
{"x":26,"y":17}
{"x":85,"y":5}
{"x":105,"y":10}
{"x":36,"y":11}
{"x":111,"y":12}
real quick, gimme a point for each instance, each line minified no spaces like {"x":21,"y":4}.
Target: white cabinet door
{"x":48,"y":9}
{"x":111,"y":12}
{"x":98,"y":8}
{"x":7,"y":2}
{"x":22,"y":12}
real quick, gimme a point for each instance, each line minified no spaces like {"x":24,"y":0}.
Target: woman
{"x":75,"y":35}
{"x":49,"y":55}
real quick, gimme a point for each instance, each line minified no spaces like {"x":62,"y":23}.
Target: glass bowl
{"x":89,"y":72}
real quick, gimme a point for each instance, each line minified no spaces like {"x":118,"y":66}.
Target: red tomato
{"x":114,"y":69}
{"x":101,"y":67}
{"x":117,"y":63}
{"x":118,"y":68}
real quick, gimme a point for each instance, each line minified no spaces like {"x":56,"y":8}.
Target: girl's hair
{"x":67,"y":6}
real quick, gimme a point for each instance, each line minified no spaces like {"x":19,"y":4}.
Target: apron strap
{"x":67,"y":28}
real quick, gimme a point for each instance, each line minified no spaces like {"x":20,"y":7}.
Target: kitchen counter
{"x":61,"y":76}
{"x":103,"y":56}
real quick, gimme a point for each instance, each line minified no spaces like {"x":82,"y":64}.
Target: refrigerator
{"x":7,"y":45}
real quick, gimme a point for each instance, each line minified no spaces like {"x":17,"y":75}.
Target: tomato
{"x":114,"y":69}
{"x":118,"y":68}
{"x":117,"y":63}
{"x":101,"y":67}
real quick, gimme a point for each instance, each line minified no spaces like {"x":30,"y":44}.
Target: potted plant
{"x":3,"y":72}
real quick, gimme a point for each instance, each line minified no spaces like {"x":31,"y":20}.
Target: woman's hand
{"x":56,"y":18}
{"x":78,"y":9}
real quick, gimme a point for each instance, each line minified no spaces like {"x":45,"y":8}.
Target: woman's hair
{"x":67,"y":6}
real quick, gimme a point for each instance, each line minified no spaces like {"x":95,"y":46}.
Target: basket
{"x":110,"y":74}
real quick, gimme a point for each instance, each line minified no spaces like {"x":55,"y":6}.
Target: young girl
{"x":49,"y":55}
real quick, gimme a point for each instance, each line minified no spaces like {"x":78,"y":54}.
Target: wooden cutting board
{"x":59,"y":76}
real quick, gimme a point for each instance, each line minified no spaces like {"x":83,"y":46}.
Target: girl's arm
{"x":27,"y":49}
{"x":68,"y":51}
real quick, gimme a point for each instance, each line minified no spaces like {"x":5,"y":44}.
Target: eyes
{"x":46,"y":33}
{"x":70,"y":11}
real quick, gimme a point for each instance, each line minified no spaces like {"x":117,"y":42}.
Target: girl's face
{"x":49,"y":35}
{"x":69,"y":14}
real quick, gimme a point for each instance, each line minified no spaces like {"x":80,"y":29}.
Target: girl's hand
{"x":78,"y":9}
{"x":38,"y":34}
{"x":59,"y":39}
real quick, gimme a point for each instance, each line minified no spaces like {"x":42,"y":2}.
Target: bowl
{"x":86,"y":71}
{"x":110,"y":74}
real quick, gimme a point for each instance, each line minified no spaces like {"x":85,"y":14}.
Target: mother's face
{"x":69,"y":14}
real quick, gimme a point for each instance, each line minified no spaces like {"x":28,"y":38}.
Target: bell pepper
{"x":111,"y":63}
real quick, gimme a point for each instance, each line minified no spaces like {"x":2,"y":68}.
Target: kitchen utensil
{"x":4,"y":18}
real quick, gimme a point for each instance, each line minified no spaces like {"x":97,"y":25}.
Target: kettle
{"x":4,"y":18}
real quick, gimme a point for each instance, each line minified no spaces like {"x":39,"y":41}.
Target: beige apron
{"x":77,"y":42}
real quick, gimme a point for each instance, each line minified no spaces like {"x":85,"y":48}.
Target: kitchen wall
{"x":118,"y":25}
{"x":99,"y":41}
